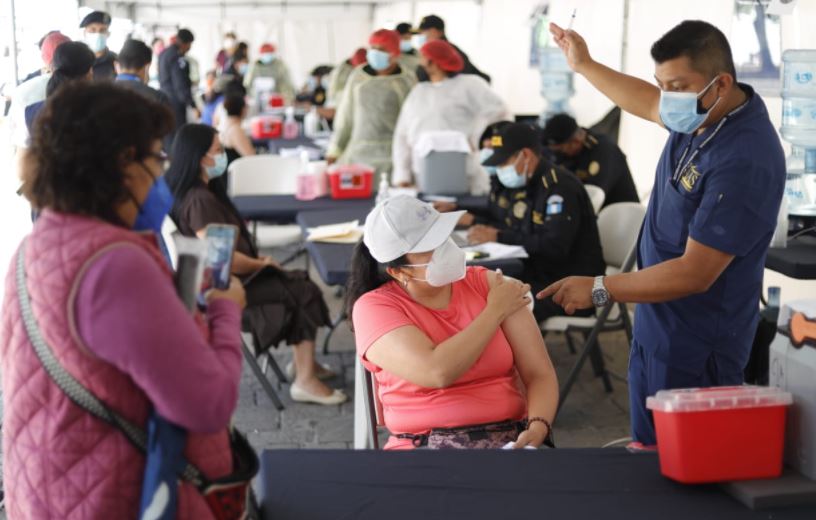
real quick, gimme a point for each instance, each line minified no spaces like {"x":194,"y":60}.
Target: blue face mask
{"x":406,"y":46}
{"x":155,"y":208}
{"x":220,"y":166}
{"x":680,"y":112}
{"x":510,"y":177}
{"x":243,"y":68}
{"x":379,"y":60}
{"x":96,"y":41}
{"x":311,"y":83}
{"x":485,"y":154}
{"x":267,"y":58}
{"x":420,"y":40}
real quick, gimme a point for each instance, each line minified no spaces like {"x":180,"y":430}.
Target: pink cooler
{"x":721,"y":433}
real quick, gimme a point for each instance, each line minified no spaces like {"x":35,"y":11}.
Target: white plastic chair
{"x":618,"y":226}
{"x":596,"y":196}
{"x":267,"y":175}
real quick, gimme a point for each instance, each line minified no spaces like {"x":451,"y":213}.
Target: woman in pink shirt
{"x":458,"y":358}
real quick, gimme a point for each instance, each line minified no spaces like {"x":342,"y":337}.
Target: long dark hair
{"x":72,"y":60}
{"x":366,"y":275}
{"x":191,"y":144}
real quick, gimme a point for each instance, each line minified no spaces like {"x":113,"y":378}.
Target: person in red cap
{"x":339,"y":77}
{"x":273,"y":73}
{"x":451,"y":101}
{"x":371,"y":103}
{"x":32,"y":89}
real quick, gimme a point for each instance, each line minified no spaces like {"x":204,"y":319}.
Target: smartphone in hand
{"x":221,"y":239}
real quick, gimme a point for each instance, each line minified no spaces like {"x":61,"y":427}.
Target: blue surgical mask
{"x":679,"y":111}
{"x":311,"y":83}
{"x":379,"y":60}
{"x":510,"y":177}
{"x":243,"y":68}
{"x":419,"y":40}
{"x":485,"y":154}
{"x":267,"y":58}
{"x":406,"y":46}
{"x":220,"y":166}
{"x":96,"y":41}
{"x":324,"y":82}
{"x":155,"y":208}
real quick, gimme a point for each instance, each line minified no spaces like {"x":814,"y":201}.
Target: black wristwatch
{"x":600,"y":296}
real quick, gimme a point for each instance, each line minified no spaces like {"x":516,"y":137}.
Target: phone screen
{"x":220,"y":247}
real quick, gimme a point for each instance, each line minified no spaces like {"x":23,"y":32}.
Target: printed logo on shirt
{"x":538,"y":218}
{"x":520,"y":209}
{"x":555,"y":205}
{"x":689,"y":177}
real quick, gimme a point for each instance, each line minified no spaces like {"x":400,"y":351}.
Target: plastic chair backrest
{"x":264,"y":175}
{"x":167,"y":231}
{"x":619,"y":225}
{"x":596,"y":196}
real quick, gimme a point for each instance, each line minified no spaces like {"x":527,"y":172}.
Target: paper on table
{"x":411,"y":192}
{"x":341,"y":233}
{"x":496,"y":251}
{"x":438,"y":198}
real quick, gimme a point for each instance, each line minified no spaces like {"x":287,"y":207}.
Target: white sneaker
{"x":324,"y":371}
{"x":302,"y":396}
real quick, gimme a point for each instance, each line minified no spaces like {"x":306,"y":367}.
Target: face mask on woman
{"x":155,"y":207}
{"x":243,"y":68}
{"x":510,"y":177}
{"x":220,"y":166}
{"x":379,"y":60}
{"x":447,"y":265}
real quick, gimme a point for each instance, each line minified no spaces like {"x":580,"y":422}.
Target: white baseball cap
{"x":405,"y":224}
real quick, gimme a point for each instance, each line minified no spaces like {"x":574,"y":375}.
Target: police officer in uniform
{"x":174,"y":76}
{"x":711,"y":216}
{"x":96,"y":30}
{"x":542,"y":207}
{"x":592,"y":157}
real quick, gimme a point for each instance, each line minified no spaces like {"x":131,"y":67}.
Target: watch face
{"x":600,"y":297}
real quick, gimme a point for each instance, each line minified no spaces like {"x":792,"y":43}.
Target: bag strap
{"x":72,"y":388}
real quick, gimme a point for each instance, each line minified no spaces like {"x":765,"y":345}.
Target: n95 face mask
{"x":447,"y":265}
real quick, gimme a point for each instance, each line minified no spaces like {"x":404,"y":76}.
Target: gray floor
{"x":590,"y":417}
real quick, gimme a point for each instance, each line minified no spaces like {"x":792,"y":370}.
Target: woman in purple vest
{"x":103,"y":298}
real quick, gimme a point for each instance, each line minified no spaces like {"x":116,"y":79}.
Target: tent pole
{"x":14,"y":49}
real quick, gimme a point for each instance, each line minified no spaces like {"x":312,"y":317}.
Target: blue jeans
{"x":648,"y":374}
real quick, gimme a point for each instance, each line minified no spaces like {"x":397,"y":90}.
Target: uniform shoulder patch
{"x":555,"y":205}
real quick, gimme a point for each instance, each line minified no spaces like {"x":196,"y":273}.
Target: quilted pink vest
{"x":59,"y":461}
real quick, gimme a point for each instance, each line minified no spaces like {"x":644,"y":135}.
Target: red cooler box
{"x":352,"y":181}
{"x":276,"y":100}
{"x":267,"y":127}
{"x":720,"y":434}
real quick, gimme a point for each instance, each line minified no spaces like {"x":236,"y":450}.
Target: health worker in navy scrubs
{"x":711,"y":215}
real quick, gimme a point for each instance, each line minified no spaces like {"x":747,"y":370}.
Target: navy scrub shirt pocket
{"x":673,"y":217}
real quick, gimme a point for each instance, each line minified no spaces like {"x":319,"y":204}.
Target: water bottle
{"x":382,"y":189}
{"x":799,"y":97}
{"x":311,"y":123}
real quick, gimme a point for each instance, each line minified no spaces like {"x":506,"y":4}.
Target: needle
{"x":572,"y":19}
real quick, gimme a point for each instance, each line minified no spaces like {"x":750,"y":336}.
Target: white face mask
{"x":447,"y":265}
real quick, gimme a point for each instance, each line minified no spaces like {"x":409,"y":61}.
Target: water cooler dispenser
{"x":799,"y":129}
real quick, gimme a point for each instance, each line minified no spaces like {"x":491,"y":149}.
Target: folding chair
{"x":618,"y":225}
{"x":268,"y":175}
{"x":596,"y":195}
{"x":374,"y":412}
{"x":259,"y":363}
{"x":367,"y":409}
